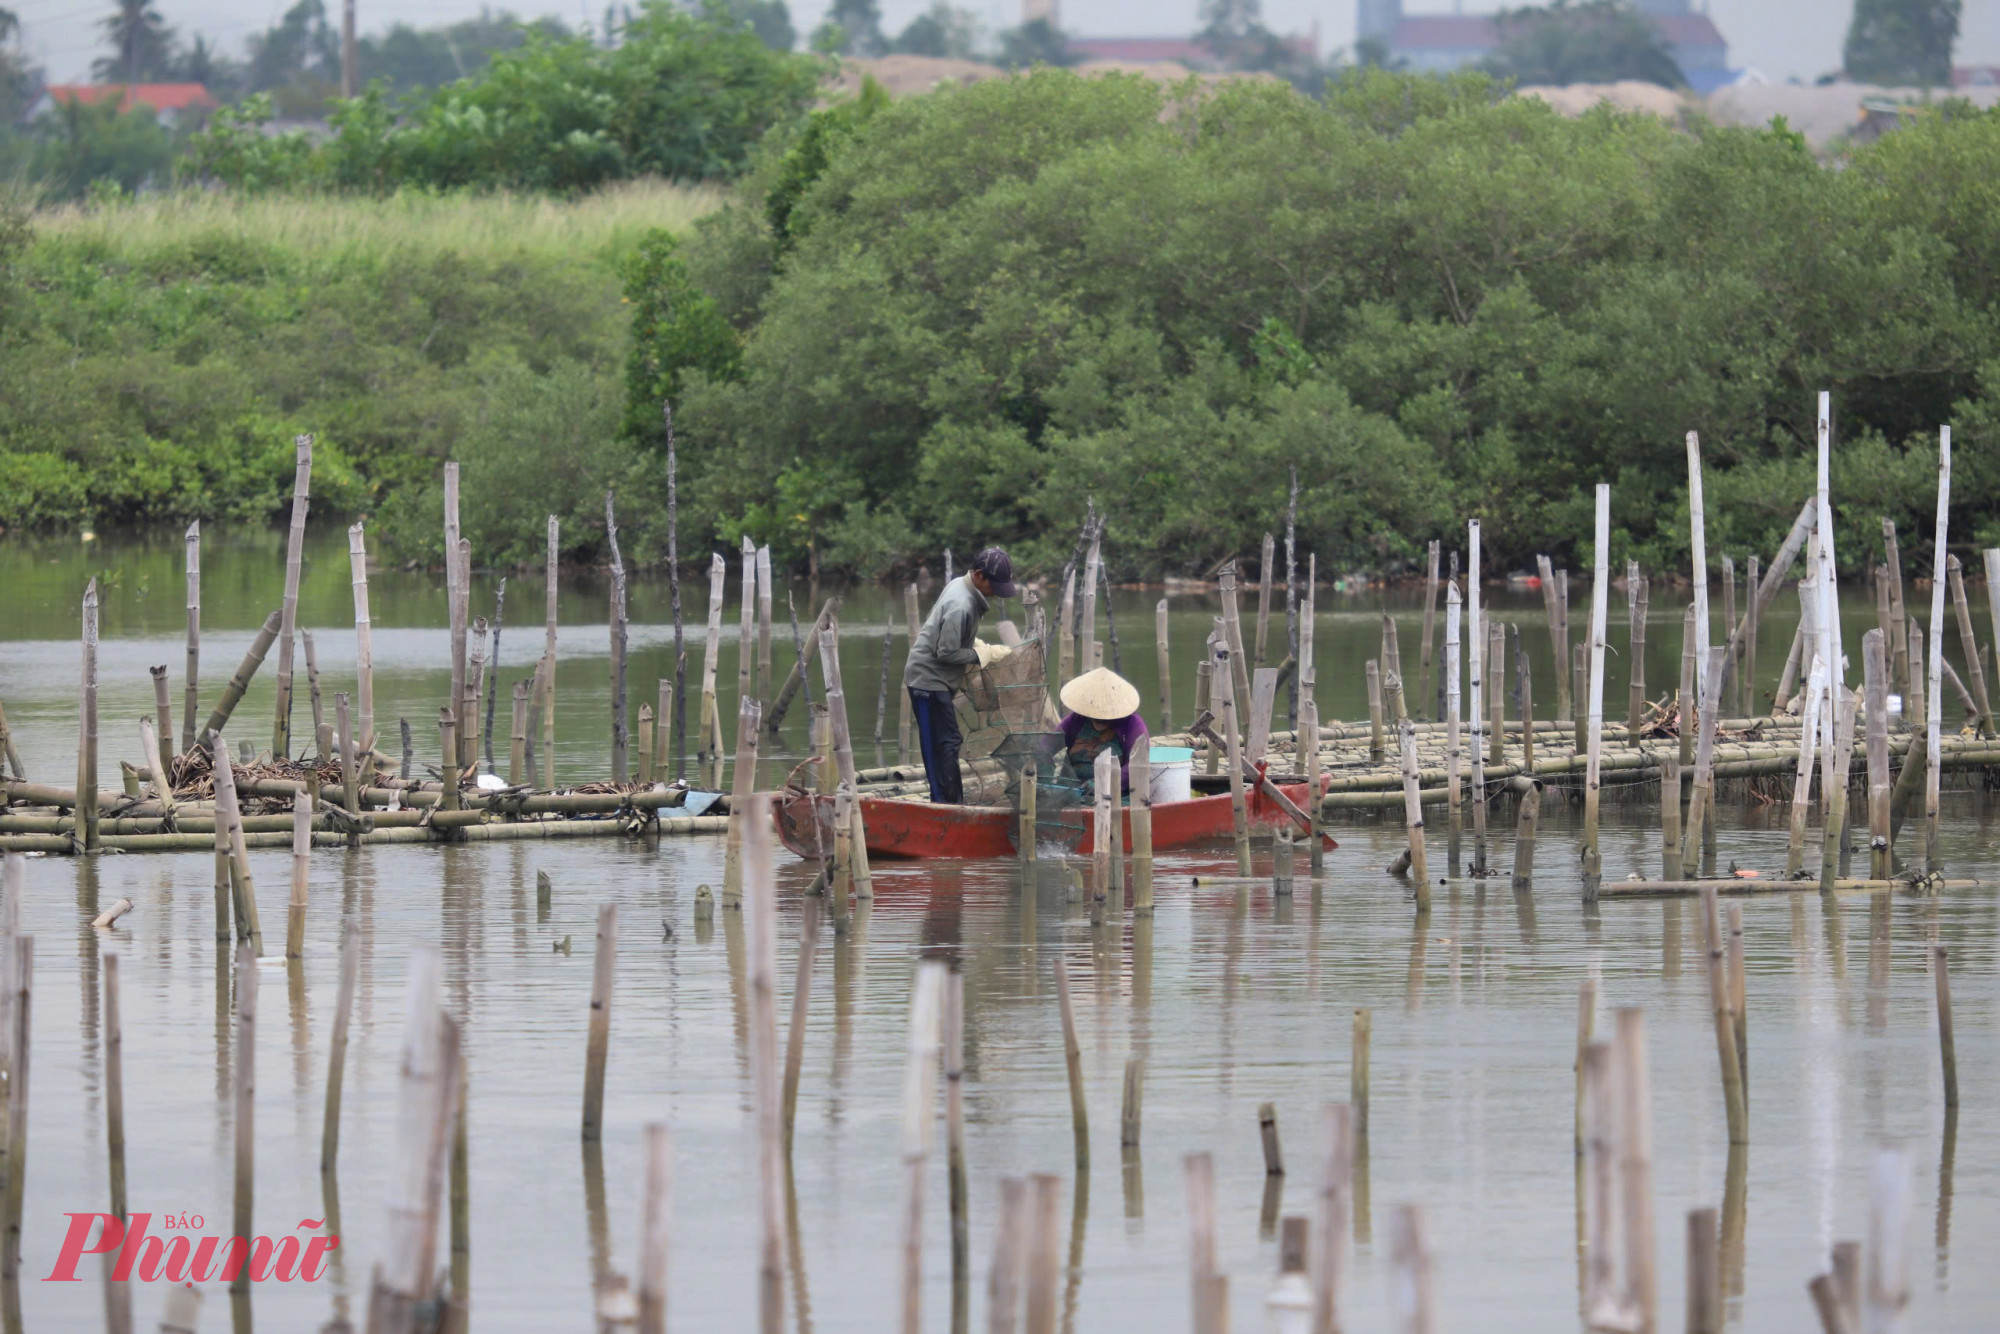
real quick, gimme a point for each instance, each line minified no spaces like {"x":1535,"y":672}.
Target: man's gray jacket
{"x":944,"y":650}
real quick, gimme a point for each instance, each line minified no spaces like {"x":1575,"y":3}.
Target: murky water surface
{"x":1233,"y":998}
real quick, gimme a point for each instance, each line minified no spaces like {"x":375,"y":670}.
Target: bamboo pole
{"x":796,"y":681}
{"x":1524,"y":696}
{"x":1166,"y":677}
{"x":1357,"y":1088}
{"x":1454,"y":756}
{"x":843,"y":754}
{"x":1947,"y":1047}
{"x":239,"y":682}
{"x":746,"y":628}
{"x":1524,"y":840}
{"x":1601,"y":1301}
{"x":1698,"y":553}
{"x":364,"y":647}
{"x":1131,"y":1113}
{"x":954,"y":1119}
{"x":1690,"y":692}
{"x":1600,"y":593}
{"x":1991,"y":558}
{"x":1372,"y":676}
{"x":1044,"y":1255}
{"x":295,"y":916}
{"x":709,"y":767}
{"x":1073,"y":1061}
{"x":1026,"y":838}
{"x":1090,"y":655}
{"x":22,"y":991}
{"x":350,"y":783}
{"x":551,"y":593}
{"x":1833,"y":849}
{"x":1725,"y":1021}
{"x":450,"y":798}
{"x":1934,"y":686}
{"x":1586,"y":1030}
{"x":1334,"y":1206}
{"x":86,"y":747}
{"x":656,"y":1209}
{"x":281,"y":734}
{"x":764,"y":618}
{"x":1204,"y":702}
{"x":405,"y":1278}
{"x":597,"y":1047}
{"x":1701,"y":802}
{"x":518,"y":769}
{"x":1875,"y":663}
{"x":192,"y":568}
{"x":1474,"y":634}
{"x":1738,"y":1010}
{"x":662,"y":730}
{"x":163,"y":790}
{"x":1425,"y":699}
{"x":920,"y":1078}
{"x":1140,"y":823}
{"x":1636,"y":1169}
{"x":1266,"y":558}
{"x":229,"y":816}
{"x":760,"y":912}
{"x":1704,"y":1272}
{"x":1413,"y":819}
{"x":748,"y":713}
{"x":1208,"y":1288}
{"x":312,"y":692}
{"x":7,"y":750}
{"x":1232,"y":626}
{"x":1892,"y":557}
{"x":114,"y":1091}
{"x":160,"y":751}
{"x":1222,"y":680}
{"x":336,"y":1064}
{"x":795,"y":1035}
{"x":1968,"y":643}
{"x":1729,"y":619}
{"x":1496,"y":698}
{"x":1753,"y":613}
{"x":244,"y":1080}
{"x":1788,"y":677}
{"x":1914,"y":711}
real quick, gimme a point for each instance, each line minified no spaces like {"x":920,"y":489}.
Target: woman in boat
{"x":1103,"y":711}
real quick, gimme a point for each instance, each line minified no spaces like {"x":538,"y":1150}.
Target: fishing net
{"x":1015,"y":723}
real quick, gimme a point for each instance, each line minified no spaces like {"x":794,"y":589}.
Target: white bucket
{"x":1173,"y":774}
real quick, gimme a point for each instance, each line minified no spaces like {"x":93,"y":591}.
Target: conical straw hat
{"x":1102,"y":694}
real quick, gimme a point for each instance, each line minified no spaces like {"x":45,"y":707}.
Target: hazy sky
{"x":1783,"y":38}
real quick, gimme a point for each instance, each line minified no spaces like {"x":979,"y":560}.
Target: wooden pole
{"x":1875,"y":666}
{"x":1496,"y":697}
{"x":449,"y":797}
{"x":228,"y":812}
{"x":1947,"y":1048}
{"x":1601,"y":1301}
{"x":954,"y":1123}
{"x":1413,"y":818}
{"x":1702,"y":801}
{"x":336,"y":1064}
{"x":18,"y":1043}
{"x":312,"y":693}
{"x":1073,"y":1061}
{"x":882,"y":688}
{"x":1166,"y":677}
{"x":1026,"y":838}
{"x":1729,"y":619}
{"x":1131,"y":1110}
{"x":1698,"y":553}
{"x":1636,"y":1169}
{"x":472,"y":657}
{"x":1892,"y":556}
{"x":760,"y":911}
{"x":795,"y":681}
{"x":517,"y":741}
{"x":1372,"y":675}
{"x":1738,"y":1012}
{"x":1044,"y":1255}
{"x":1357,"y":1088}
{"x":1222,"y":680}
{"x":427,"y":1096}
{"x":662,"y":729}
{"x":1104,"y":781}
{"x":1752,"y":615}
{"x":748,"y":714}
{"x":920,"y":1077}
{"x":1586,"y":1030}
{"x":1934,"y":686}
{"x":364,"y":646}
{"x":656,"y":1208}
{"x":843,"y":753}
{"x":1474,"y":633}
{"x":1968,"y":643}
{"x":1204,"y":701}
{"x":1232,"y":625}
{"x":281,"y":734}
{"x":192,"y":564}
{"x":1424,"y":697}
{"x":764,"y":618}
{"x":1725,"y":1020}
{"x":114,"y":1089}
{"x":1205,"y":1279}
{"x":1266,"y":559}
{"x":1267,"y":1135}
{"x":86,"y":746}
{"x":550,"y":594}
{"x":1524,"y":838}
{"x":1600,"y":593}
{"x":244,"y":1077}
{"x":746,"y":626}
{"x":1092,"y":653}
{"x":160,"y":751}
{"x":1524,"y":696}
{"x":598,"y":1043}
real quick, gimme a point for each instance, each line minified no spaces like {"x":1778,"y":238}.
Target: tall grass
{"x":331,"y":228}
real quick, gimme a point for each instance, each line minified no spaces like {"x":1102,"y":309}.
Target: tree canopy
{"x":1585,"y":41}
{"x":1899,"y":42}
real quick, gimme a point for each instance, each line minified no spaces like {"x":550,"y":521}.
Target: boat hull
{"x":918,"y":829}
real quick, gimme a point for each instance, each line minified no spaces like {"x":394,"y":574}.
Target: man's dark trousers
{"x":937,"y":734}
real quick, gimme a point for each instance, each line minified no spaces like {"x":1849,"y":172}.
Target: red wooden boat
{"x":912,"y":829}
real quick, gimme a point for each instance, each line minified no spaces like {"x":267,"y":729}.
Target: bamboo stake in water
{"x":364,"y":645}
{"x":656,"y":1209}
{"x":1372,"y":676}
{"x":1600,"y":593}
{"x":1738,"y":1010}
{"x":1166,"y":678}
{"x":1702,"y":802}
{"x":245,"y":1085}
{"x":1073,"y":1060}
{"x":746,"y":627}
{"x":517,"y":741}
{"x":1140,"y":821}
{"x":1474,"y":633}
{"x":1934,"y":686}
{"x":228,"y":811}
{"x":1003,"y":1277}
{"x":1496,"y":695}
{"x":193,"y":697}
{"x":905,"y":717}
{"x":1753,"y":613}
{"x":1205,"y":1279}
{"x":1131,"y":1113}
{"x":748,"y":713}
{"x":160,"y":752}
{"x":954,"y":1122}
{"x":1704,"y":1273}
{"x":1044,"y":1255}
{"x":1729,"y":619}
{"x":1334,"y":1206}
{"x":295,"y":916}
{"x":1104,"y":777}
{"x":1524,"y":839}
{"x":550,"y":595}
{"x":1232,"y":626}
{"x":350,"y":782}
{"x":281,"y":734}
{"x":336,"y":1064}
{"x":312,"y":691}
{"x":1223,"y":681}
{"x":1453,"y":709}
{"x":405,"y":1278}
{"x":1725,"y":1020}
{"x":795,"y":1033}
{"x":1413,"y":817}
{"x":709,"y":766}
{"x":920,"y":1072}
{"x":1947,"y":1047}
{"x":1357,"y":1088}
{"x":1424,"y":697}
{"x":1026,"y":838}
{"x":253,"y":658}
{"x":760,"y":912}
{"x":1089,"y":653}
{"x":1875,"y":666}
{"x":86,"y":746}
{"x":597,"y":1049}
{"x":764,"y":618}
{"x":1636,"y":1169}
{"x":114,"y":1088}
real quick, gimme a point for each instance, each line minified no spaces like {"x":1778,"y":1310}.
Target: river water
{"x":1234,"y":998}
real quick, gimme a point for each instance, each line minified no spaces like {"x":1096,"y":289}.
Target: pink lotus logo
{"x":183,"y":1259}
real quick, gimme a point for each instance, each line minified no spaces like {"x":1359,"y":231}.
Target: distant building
{"x":1975,"y":76}
{"x":171,"y":102}
{"x":1186,"y":50}
{"x":1438,"y":43}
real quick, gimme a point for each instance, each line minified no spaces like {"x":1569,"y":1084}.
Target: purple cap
{"x":998,"y":569}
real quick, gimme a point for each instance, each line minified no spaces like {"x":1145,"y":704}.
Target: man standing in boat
{"x":946,"y":647}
